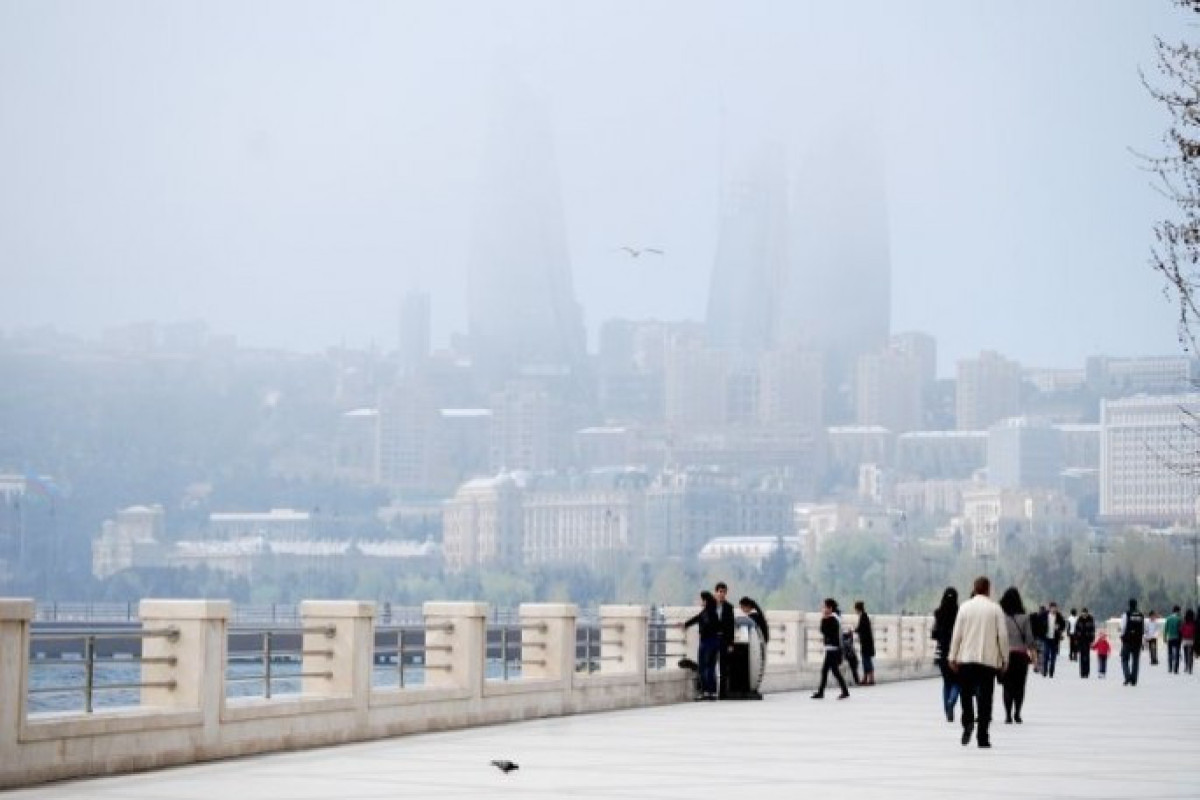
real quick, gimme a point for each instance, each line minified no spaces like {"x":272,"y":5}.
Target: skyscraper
{"x":751,"y":257}
{"x":521,"y":305}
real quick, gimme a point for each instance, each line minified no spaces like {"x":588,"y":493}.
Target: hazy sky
{"x":286,"y":170}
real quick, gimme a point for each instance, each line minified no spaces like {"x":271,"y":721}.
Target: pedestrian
{"x":1037,"y":621}
{"x":1132,"y":631}
{"x":943,"y":629}
{"x":978,"y":653}
{"x":1173,"y":635}
{"x":1152,"y":637}
{"x":710,"y":645}
{"x":1055,"y":625}
{"x":831,"y":638}
{"x":1021,"y":652}
{"x":866,"y":643}
{"x":1102,"y":648}
{"x":1072,"y":641}
{"x":728,"y":628}
{"x":751,"y":610}
{"x":1188,"y":629}
{"x":1085,"y":634}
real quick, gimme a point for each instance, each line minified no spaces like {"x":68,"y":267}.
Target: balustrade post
{"x":16,"y":616}
{"x":455,"y":646}
{"x":689,"y":638}
{"x":787,"y":647}
{"x":199,"y":653}
{"x":548,"y":640}
{"x":623,"y":639}
{"x":339,"y":650}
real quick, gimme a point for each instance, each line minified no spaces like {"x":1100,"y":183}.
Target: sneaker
{"x":843,"y":696}
{"x":818,"y":696}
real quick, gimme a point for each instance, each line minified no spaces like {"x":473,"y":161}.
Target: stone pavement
{"x":1081,"y":739}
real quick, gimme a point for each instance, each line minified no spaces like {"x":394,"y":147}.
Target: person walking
{"x":1085,"y":634}
{"x":1132,"y":631}
{"x":710,"y":645}
{"x":1173,"y":635}
{"x":1152,"y":637}
{"x":831,"y":637}
{"x":1188,"y":631}
{"x":1102,"y":648}
{"x":1072,"y":640}
{"x":978,"y":653}
{"x":943,"y":629}
{"x":1038,"y":621}
{"x":866,"y":643}
{"x":1055,"y":625}
{"x":1021,"y":652}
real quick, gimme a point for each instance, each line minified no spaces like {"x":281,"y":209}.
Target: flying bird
{"x":637,"y":251}
{"x":505,"y":766}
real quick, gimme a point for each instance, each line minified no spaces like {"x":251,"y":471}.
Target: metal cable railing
{"x":272,"y":653}
{"x":92,"y":664}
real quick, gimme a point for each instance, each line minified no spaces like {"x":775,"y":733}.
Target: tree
{"x":1176,"y":252}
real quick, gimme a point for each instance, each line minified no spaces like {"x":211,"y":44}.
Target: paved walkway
{"x":1081,"y":739}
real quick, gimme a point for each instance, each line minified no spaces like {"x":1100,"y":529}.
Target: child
{"x":1102,"y":648}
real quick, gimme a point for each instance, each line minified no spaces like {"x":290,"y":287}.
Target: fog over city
{"x":286,"y":171}
{"x":592,"y":302}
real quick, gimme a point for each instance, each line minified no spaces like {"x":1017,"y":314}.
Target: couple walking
{"x":973,"y":649}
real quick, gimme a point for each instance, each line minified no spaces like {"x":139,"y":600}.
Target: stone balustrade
{"x":185,"y":715}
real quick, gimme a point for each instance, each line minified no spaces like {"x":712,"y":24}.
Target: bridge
{"x":1094,"y":739}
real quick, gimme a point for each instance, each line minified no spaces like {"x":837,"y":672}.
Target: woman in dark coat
{"x":831,"y":638}
{"x":751,"y":610}
{"x":943,"y":629}
{"x":866,"y":643}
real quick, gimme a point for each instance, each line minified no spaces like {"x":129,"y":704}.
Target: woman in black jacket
{"x":831,"y":637}
{"x":866,"y":643}
{"x":751,"y":610}
{"x":710,"y":644}
{"x":943,"y":629}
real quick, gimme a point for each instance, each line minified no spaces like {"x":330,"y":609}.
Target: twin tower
{"x":801,"y":263}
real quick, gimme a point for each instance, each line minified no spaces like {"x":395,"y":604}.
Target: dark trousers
{"x":1173,"y":646}
{"x":1189,"y":653}
{"x":724,"y":664}
{"x":1085,"y":661}
{"x":1102,"y":663}
{"x":1130,"y":656}
{"x":833,"y":660}
{"x":1013,"y":683}
{"x":1152,"y":646}
{"x":978,"y":684}
{"x":949,"y":688}
{"x":709,"y":648}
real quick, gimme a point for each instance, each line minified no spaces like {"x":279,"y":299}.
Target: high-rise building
{"x":1149,"y":455}
{"x":695,"y":382}
{"x":521,"y":304}
{"x":791,"y":389}
{"x":988,"y":390}
{"x":751,"y":259}
{"x":889,"y":391}
{"x":414,"y":332}
{"x":1025,"y":453}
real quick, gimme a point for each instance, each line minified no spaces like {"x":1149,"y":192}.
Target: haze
{"x":286,"y":171}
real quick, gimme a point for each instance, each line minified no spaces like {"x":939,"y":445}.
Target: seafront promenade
{"x":1081,"y":739}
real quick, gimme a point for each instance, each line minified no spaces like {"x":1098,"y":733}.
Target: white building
{"x":134,"y":539}
{"x":1149,"y":458}
{"x":754,"y":549}
{"x":482,"y":524}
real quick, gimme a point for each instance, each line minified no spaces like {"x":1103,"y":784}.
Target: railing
{"x":91,"y":665}
{"x":272,"y":652}
{"x":460,"y":667}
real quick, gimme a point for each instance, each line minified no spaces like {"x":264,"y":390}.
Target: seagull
{"x":637,"y":251}
{"x":505,"y":766}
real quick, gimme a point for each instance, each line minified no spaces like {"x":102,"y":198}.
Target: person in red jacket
{"x":1102,"y":648}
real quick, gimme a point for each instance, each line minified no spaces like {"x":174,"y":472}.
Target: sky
{"x":286,"y":171}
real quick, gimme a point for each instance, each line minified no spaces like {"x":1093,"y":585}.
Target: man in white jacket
{"x":978,"y":649}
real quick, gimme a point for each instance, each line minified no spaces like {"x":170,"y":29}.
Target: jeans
{"x":1130,"y":656}
{"x":833,"y":660}
{"x":978,"y":686}
{"x":1173,"y":655}
{"x":950,"y":690}
{"x":868,"y":664}
{"x":710,"y":649}
{"x":1049,"y":657}
{"x":1102,"y":663}
{"x":1188,"y":657}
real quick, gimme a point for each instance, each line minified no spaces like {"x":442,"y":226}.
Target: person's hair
{"x":1175,"y":610}
{"x":1053,"y":604}
{"x":981,"y":586}
{"x":720,"y":585}
{"x":747,"y":602}
{"x":949,"y":600}
{"x":1133,"y":604}
{"x":829,"y":601}
{"x":1189,"y":616}
{"x":1085,"y":611}
{"x":708,"y":598}
{"x":1073,"y":610}
{"x":860,"y":606}
{"x":1011,"y":603}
